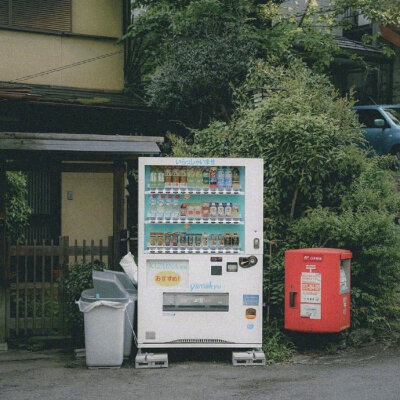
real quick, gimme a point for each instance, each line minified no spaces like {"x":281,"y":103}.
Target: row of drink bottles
{"x":168,"y":206}
{"x":229,"y":240}
{"x":181,"y":177}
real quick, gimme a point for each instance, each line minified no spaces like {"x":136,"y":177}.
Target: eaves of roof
{"x":352,"y":45}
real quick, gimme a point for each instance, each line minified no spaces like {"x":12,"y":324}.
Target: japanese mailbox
{"x":317,"y":290}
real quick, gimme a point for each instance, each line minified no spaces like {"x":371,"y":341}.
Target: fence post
{"x":64,"y":261}
{"x":3,"y":256}
{"x":111,"y":253}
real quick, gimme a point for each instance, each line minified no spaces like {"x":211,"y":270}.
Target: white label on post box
{"x":310,"y":287}
{"x":312,"y":311}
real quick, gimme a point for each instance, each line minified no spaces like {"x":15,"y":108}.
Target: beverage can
{"x":235,"y":240}
{"x":184,"y":210}
{"x":160,"y":176}
{"x":168,"y":239}
{"x":197,"y":239}
{"x":235,"y":178}
{"x":153,"y":239}
{"x":175,"y":239}
{"x":221,"y":241}
{"x":183,"y":177}
{"x":205,"y":210}
{"x":213,"y":210}
{"x":160,"y":239}
{"x":168,"y":177}
{"x":204,"y":242}
{"x":206,"y":178}
{"x":213,"y":240}
{"x":235,"y":211}
{"x":228,"y":178}
{"x":182,"y":239}
{"x":175,"y":177}
{"x":228,"y":210}
{"x":221,"y":210}
{"x":190,"y":210}
{"x":197,"y":210}
{"x":190,"y":239}
{"x":213,"y":178}
{"x":228,"y":240}
{"x":199,"y":177}
{"x":220,"y":178}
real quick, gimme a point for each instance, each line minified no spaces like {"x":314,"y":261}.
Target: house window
{"x":48,"y":15}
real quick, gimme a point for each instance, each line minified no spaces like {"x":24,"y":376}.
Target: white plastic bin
{"x":114,"y":283}
{"x":104,"y":328}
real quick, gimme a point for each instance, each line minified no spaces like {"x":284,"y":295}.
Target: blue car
{"x":382,"y":127}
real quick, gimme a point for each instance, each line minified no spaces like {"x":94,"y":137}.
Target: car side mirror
{"x":380,"y":123}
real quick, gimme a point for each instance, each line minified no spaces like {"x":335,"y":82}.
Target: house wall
{"x":89,"y":215}
{"x":27,"y":53}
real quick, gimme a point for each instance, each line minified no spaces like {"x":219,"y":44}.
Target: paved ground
{"x":372,"y":372}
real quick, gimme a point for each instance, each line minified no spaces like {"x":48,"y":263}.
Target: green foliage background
{"x":321,"y":189}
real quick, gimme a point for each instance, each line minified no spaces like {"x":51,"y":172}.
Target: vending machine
{"x":200,"y":259}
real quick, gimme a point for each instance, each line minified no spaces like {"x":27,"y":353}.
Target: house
{"x":377,"y":78}
{"x":66,"y":122}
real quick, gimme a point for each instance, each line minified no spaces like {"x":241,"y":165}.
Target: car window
{"x":367,"y":117}
{"x":394,"y":114}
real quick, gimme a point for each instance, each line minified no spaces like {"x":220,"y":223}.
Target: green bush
{"x":78,"y":279}
{"x":320,"y":186}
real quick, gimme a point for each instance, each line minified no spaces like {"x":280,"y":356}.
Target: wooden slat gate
{"x":34,"y":297}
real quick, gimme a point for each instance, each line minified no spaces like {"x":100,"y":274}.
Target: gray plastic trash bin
{"x":104,"y":328}
{"x":114,"y":283}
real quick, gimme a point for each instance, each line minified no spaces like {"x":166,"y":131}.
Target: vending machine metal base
{"x":200,"y":260}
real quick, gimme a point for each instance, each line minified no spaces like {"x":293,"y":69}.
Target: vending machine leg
{"x":248,"y":358}
{"x":151,"y":360}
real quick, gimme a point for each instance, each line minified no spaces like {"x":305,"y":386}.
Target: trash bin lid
{"x":123,"y":278}
{"x":108,"y":285}
{"x":89,"y":295}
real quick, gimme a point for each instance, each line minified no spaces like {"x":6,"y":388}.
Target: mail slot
{"x":317,"y":290}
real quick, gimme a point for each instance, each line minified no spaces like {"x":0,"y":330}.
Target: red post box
{"x":317,"y":290}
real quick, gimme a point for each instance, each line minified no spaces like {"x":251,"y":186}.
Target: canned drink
{"x":182,"y":239}
{"x":235,"y":211}
{"x":197,"y":239}
{"x":235,"y":240}
{"x":190,"y":239}
{"x":197,"y":210}
{"x":228,"y":240}
{"x":213,"y":240}
{"x":221,"y":210}
{"x":228,"y":210}
{"x":221,"y":241}
{"x":190,"y":210}
{"x":175,"y":239}
{"x":153,"y":239}
{"x":184,"y":210}
{"x":167,"y":239}
{"x":213,"y":210}
{"x":205,"y":240}
{"x":160,"y":239}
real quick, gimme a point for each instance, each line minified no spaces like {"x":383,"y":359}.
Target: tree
{"x":320,"y":187}
{"x":188,"y":55}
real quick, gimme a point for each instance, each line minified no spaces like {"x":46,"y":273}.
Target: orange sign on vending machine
{"x":317,"y":290}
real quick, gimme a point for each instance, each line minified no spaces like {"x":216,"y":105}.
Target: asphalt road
{"x":371,"y":372}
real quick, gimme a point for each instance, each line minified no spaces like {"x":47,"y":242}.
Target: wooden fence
{"x":34,"y":298}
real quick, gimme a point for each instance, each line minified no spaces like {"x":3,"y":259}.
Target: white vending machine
{"x":200,"y":260}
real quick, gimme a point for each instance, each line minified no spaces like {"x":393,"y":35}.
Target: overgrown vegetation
{"x":17,"y":208}
{"x":320,"y":186}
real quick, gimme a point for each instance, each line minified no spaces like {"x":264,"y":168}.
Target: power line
{"x":64,"y":67}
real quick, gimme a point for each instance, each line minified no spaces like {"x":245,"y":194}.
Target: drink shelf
{"x":190,"y":250}
{"x":196,"y":221}
{"x":194,"y":191}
